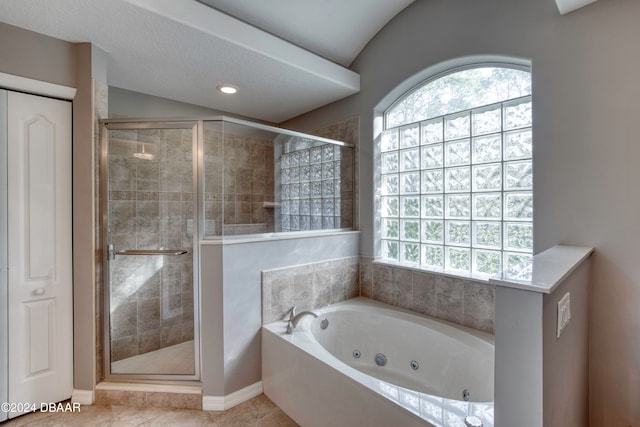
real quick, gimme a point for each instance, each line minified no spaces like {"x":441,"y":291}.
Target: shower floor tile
{"x":257,"y":412}
{"x":177,"y":359}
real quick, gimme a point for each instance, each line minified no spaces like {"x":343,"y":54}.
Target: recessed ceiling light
{"x":228,"y":89}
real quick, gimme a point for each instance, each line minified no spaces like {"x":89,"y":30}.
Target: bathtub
{"x":365,"y":363}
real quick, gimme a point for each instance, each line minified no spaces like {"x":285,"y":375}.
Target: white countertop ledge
{"x":269,"y":237}
{"x":546,"y":271}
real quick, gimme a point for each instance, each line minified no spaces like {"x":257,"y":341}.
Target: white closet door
{"x":40,"y":257}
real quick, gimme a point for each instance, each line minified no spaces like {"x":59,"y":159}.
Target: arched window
{"x":455,"y":168}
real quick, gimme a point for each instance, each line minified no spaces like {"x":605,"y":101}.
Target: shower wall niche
{"x":259,"y":179}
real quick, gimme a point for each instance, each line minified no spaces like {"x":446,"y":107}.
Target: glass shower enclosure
{"x":169,"y":184}
{"x":150,"y":226}
{"x":261,"y":180}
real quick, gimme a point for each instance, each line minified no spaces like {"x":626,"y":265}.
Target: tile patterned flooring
{"x":257,"y":412}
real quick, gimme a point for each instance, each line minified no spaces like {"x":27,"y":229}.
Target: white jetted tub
{"x":365,"y":363}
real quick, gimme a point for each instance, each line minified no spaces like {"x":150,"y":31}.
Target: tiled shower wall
{"x":239,"y":174}
{"x":150,"y":203}
{"x":459,"y":301}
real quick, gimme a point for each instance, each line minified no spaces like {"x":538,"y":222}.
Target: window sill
{"x":480,"y":278}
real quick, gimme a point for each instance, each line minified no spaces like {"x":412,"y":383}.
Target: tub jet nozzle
{"x":381,"y":359}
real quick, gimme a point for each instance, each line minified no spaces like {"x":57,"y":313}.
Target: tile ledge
{"x":478,"y":278}
{"x":546,"y":271}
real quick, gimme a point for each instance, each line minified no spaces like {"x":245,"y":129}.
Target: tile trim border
{"x":222,"y":403}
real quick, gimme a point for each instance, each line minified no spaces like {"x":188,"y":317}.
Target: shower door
{"x":150,"y":230}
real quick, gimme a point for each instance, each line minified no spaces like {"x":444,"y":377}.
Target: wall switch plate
{"x":564,"y":313}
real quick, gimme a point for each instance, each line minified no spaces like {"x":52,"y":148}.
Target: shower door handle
{"x":151,"y":252}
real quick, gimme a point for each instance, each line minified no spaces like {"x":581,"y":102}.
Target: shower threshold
{"x":174,"y":360}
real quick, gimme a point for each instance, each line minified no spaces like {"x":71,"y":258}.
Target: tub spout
{"x":294,"y":320}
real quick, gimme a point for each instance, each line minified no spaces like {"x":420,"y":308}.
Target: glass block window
{"x":310,"y":192}
{"x":456,"y":173}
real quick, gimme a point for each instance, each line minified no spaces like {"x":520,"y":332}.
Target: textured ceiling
{"x":334,"y":29}
{"x":182,"y":49}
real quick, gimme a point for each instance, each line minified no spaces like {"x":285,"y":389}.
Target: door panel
{"x":40,"y":146}
{"x":40,"y":257}
{"x":40,"y":313}
{"x":151,"y":228}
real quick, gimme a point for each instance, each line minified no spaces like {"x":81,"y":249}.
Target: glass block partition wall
{"x":456,"y":190}
{"x":311,"y":186}
{"x":260,"y":179}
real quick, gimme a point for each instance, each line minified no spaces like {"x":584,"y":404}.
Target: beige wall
{"x":585,"y":95}
{"x":84,"y":332}
{"x":27,"y":54}
{"x":565,"y":368}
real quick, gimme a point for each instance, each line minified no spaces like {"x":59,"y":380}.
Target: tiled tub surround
{"x":308,"y":286}
{"x":151,"y":296}
{"x":238,"y":179}
{"x":460,"y":301}
{"x":312,"y":286}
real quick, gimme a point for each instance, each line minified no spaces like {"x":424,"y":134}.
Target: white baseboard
{"x":222,"y":403}
{"x":83,"y":397}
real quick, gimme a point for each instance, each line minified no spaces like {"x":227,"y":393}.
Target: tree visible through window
{"x":456,"y":173}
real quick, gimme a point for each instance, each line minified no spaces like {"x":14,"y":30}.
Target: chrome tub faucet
{"x":294,"y":318}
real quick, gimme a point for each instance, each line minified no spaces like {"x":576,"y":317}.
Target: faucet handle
{"x":291,"y":313}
